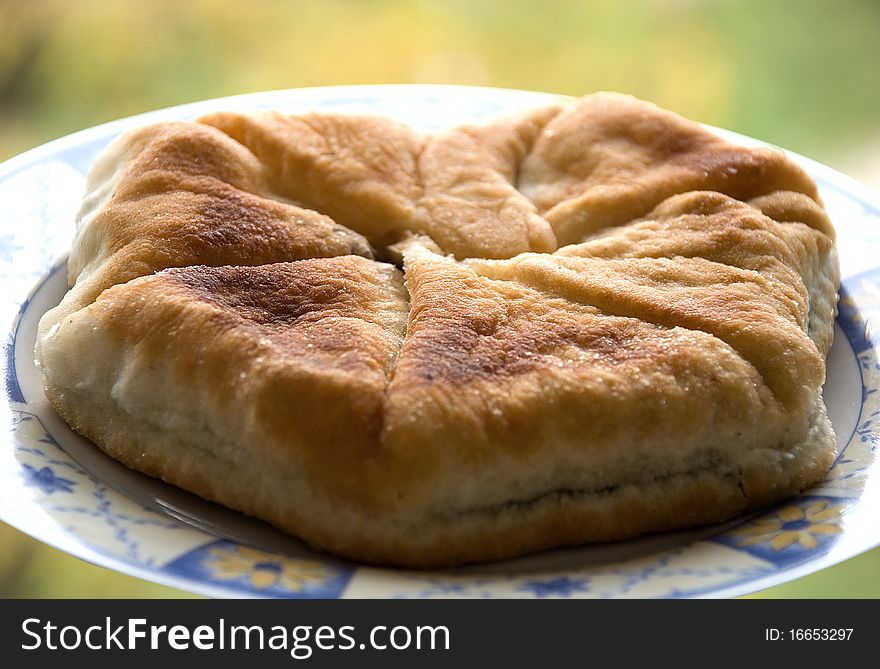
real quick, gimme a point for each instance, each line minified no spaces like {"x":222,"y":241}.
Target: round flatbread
{"x":583,"y":323}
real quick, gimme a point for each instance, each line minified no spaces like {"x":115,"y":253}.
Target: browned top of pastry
{"x":598,"y":299}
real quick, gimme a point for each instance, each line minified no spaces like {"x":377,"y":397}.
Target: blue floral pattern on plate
{"x":795,"y":531}
{"x":45,"y":479}
{"x":563,"y":586}
{"x":251,"y":570}
{"x":62,"y":490}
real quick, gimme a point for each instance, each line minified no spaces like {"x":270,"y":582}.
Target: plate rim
{"x":845,"y":184}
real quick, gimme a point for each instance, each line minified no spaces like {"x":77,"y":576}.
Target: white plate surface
{"x":62,"y":490}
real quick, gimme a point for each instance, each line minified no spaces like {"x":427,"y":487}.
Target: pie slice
{"x":176,"y":194}
{"x":471,"y":206}
{"x":611,"y":158}
{"x":570,"y":399}
{"x":262,"y":388}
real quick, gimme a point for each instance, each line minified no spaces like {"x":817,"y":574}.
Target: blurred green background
{"x":802,"y":74}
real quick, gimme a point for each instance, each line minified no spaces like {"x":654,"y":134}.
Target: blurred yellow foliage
{"x":797,"y":72}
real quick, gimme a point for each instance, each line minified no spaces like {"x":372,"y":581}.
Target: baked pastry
{"x":584,"y":323}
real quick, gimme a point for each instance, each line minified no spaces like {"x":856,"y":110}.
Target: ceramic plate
{"x":62,"y":490}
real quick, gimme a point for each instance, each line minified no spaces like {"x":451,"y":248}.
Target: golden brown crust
{"x":361,"y":171}
{"x":661,"y":369}
{"x":558,"y":423}
{"x":177,"y":194}
{"x":612,"y":158}
{"x":470,"y":205}
{"x":244,"y":341}
{"x":383,"y":180}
